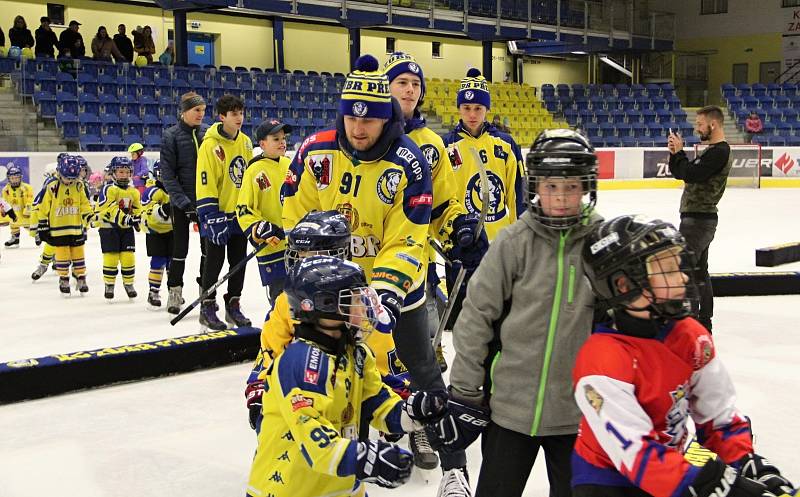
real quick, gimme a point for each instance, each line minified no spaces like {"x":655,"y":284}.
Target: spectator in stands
{"x":70,"y":43}
{"x":498,"y":123}
{"x":19,"y":35}
{"x":123,"y":43}
{"x":103,"y":47}
{"x":753,"y":126}
{"x":168,"y":57}
{"x":704,"y":180}
{"x":2,"y":38}
{"x":46,"y":40}
{"x":146,"y":46}
{"x":179,"y":145}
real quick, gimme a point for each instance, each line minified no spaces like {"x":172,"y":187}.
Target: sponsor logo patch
{"x":300,"y":401}
{"x":424,"y":199}
{"x":593,"y":398}
{"x":313,"y":359}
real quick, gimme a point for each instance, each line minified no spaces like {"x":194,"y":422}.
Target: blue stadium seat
{"x":91,"y":143}
{"x":113,"y":143}
{"x":66,"y":83}
{"x":790,"y":114}
{"x":602,"y":116}
{"x":617,"y":116}
{"x":649,"y":115}
{"x":153,"y":141}
{"x":111,"y":124}
{"x":624,"y":129}
{"x":628,"y":141}
{"x":90,"y":124}
{"x":663,"y":115}
{"x":109,"y":104}
{"x":45,"y":103}
{"x":133,"y":125}
{"x":789,"y":89}
{"x":168,"y":121}
{"x":792,"y":141}
{"x":69,"y":124}
{"x":607,"y":129}
{"x":129,"y":138}
{"x":88,"y":103}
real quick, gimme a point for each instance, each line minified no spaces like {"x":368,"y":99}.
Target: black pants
{"x":508,"y":458}
{"x":215,"y":257}
{"x":413,"y":343}
{"x":181,"y":224}
{"x":699,"y":232}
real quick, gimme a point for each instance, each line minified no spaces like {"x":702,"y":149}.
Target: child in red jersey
{"x":638,"y":380}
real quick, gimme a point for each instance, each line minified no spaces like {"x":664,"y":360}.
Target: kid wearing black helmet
{"x":317,"y":389}
{"x":526,"y":313}
{"x":157,"y":217}
{"x":638,"y":380}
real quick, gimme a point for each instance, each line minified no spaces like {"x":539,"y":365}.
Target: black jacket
{"x":125,"y":46}
{"x":72,"y":42}
{"x":20,"y":37}
{"x":46,"y":42}
{"x":2,"y":38}
{"x":179,"y":146}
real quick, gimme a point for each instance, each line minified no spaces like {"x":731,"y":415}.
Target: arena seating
{"x":519,"y":103}
{"x":105,"y":106}
{"x":620,"y":115}
{"x":778,"y":106}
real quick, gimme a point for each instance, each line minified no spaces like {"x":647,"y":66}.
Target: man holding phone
{"x":704,"y":179}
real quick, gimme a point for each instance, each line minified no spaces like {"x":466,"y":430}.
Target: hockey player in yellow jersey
{"x":120,"y":211}
{"x":62,"y":217}
{"x":318,"y":389}
{"x":20,"y":196}
{"x":259,"y":208}
{"x":221,"y":163}
{"x":48,"y":251}
{"x":156,"y":215}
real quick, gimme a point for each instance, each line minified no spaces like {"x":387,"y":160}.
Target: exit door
{"x":768,"y":72}
{"x":201,"y":49}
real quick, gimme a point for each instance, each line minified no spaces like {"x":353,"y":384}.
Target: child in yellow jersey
{"x":259,"y":208}
{"x":48,"y":251}
{"x":20,"y":196}
{"x":221,"y":163}
{"x":317,"y":233}
{"x":63,"y":215}
{"x":120,"y":214}
{"x":156,"y":215}
{"x":321,"y":387}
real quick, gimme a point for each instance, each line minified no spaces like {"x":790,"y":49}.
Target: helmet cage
{"x":574,"y":165}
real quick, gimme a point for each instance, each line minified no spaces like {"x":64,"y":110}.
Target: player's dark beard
{"x":705,"y":136}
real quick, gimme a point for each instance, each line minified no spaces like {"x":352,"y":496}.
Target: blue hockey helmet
{"x":327,"y":287}
{"x":68,"y":168}
{"x":14,"y":175}
{"x":318,"y":233}
{"x":117,"y":163}
{"x":157,"y":170}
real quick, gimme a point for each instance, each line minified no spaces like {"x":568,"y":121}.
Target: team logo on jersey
{"x":396,"y":366}
{"x":388,"y":184}
{"x":262,"y":180}
{"x":360,"y":109}
{"x":300,"y":401}
{"x":469,"y":95}
{"x":347,"y":413}
{"x":360,"y":357}
{"x":220,"y":153}
{"x":703,"y":351}
{"x":236,"y":170}
{"x":497,"y":197}
{"x":677,"y":416}
{"x":350,"y":213}
{"x":321,"y":166}
{"x":593,"y":398}
{"x":431,"y":154}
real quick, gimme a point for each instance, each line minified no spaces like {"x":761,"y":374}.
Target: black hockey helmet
{"x":322,"y":286}
{"x":318,"y":233}
{"x":626,"y":247}
{"x":561,"y":153}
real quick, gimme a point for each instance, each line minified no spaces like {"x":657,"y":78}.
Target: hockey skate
{"x":130,"y":291}
{"x":440,"y":358}
{"x":109,"y":293}
{"x":174,"y":299}
{"x":39,"y":272}
{"x":424,"y":455}
{"x":63,"y":286}
{"x":233,"y":313}
{"x":154,"y":299}
{"x":12,"y":242}
{"x":455,"y":483}
{"x":81,"y":285}
{"x":208,"y":316}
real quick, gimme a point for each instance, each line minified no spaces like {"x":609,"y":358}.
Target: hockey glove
{"x":254,"y":393}
{"x":761,"y":470}
{"x":459,"y":427}
{"x":426,"y":405}
{"x":266,"y":232}
{"x":384,"y":464}
{"x":215,"y":228}
{"x":466,"y":248}
{"x":387,"y":311}
{"x":717,"y":479}
{"x":162,"y":213}
{"x":43,"y":230}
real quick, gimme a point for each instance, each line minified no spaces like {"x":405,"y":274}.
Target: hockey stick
{"x":462,"y":272}
{"x":272,"y":241}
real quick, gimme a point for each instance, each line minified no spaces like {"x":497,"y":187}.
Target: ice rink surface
{"x":189,"y":435}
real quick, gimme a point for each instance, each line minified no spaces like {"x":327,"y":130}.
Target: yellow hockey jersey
{"x":21,"y":199}
{"x":66,"y":208}
{"x":37,"y":200}
{"x":154,"y":196}
{"x":312,"y":407}
{"x":387,"y":201}
{"x":503,"y":160}
{"x":260,"y":200}
{"x":115,"y":202}
{"x":221,"y":164}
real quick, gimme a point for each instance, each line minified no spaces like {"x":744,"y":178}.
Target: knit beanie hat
{"x":401,"y":63}
{"x":366,"y":91}
{"x":474,"y":90}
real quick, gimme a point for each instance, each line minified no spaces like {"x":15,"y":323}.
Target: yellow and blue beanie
{"x":366,"y":91}
{"x":401,"y":63}
{"x":474,"y":90}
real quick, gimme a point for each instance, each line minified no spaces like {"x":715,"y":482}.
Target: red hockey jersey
{"x":636,"y":395}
